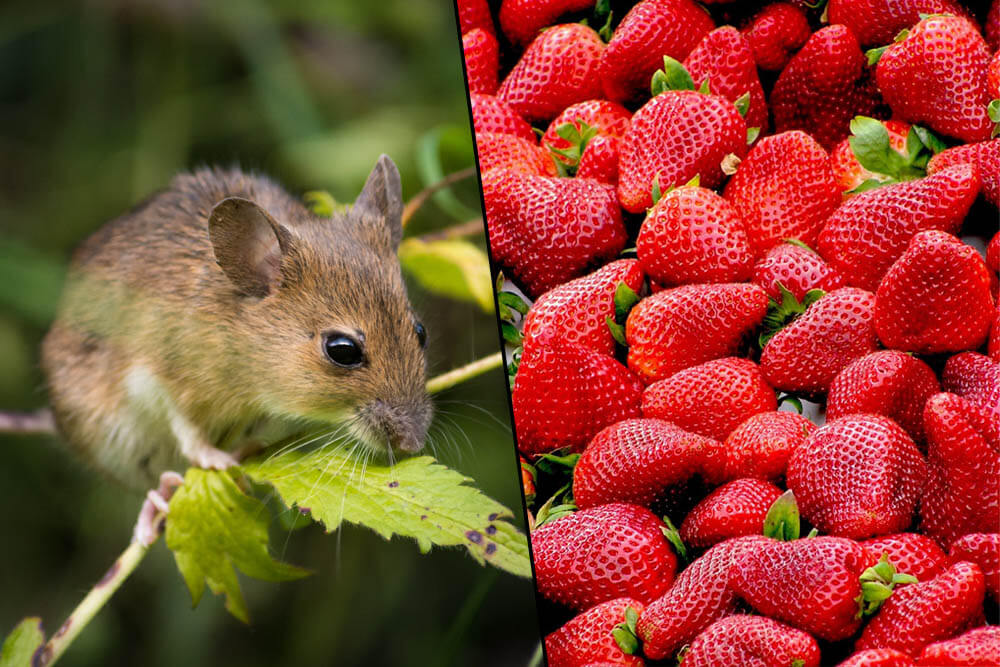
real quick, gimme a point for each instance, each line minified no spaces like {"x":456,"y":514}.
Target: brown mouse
{"x":220,"y":312}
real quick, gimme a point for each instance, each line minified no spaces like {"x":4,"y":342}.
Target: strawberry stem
{"x":877,"y":584}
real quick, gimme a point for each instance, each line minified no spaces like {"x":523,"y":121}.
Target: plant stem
{"x":462,"y":373}
{"x":92,"y":603}
{"x":421,"y":197}
{"x":469,"y":228}
{"x":28,"y":423}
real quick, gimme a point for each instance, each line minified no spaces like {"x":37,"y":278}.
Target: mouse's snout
{"x":400,"y":426}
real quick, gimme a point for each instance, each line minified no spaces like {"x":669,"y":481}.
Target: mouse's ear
{"x":382,"y":197}
{"x":248,"y":245}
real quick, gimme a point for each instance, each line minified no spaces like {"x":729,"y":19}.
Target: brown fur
{"x":148,"y":305}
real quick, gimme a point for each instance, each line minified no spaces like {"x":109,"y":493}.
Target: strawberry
{"x":877,"y":153}
{"x":585,"y":136}
{"x":609,"y":118}
{"x":576,"y":311}
{"x":963,"y":455}
{"x":878,"y":21}
{"x":984,"y":155}
{"x":587,"y":638}
{"x":746,"y":640}
{"x":993,"y":253}
{"x":602,"y":553}
{"x":685,"y":326}
{"x":936,"y":75}
{"x":482,"y":60}
{"x":474,"y":14}
{"x":527,"y":214}
{"x":491,"y":114}
{"x":919,"y":614}
{"x":758,"y":448}
{"x":857,"y":476}
{"x":823,"y":87}
{"x":651,"y":29}
{"x":976,"y":378}
{"x":887,"y":382}
{"x":878,"y":657}
{"x":712,"y":398}
{"x":734,"y":509}
{"x":977,"y":648}
{"x":912,"y":553}
{"x":521,"y":20}
{"x":725,"y":60}
{"x":677,"y":135}
{"x":806,"y":355}
{"x":935,"y":298}
{"x":796,"y":267}
{"x":635,"y":460}
{"x":692,"y":235}
{"x":983,"y":549}
{"x":813,"y":584}
{"x":505,"y":151}
{"x":700,"y":596}
{"x":869,"y":231}
{"x":784,"y":189}
{"x":600,"y":160}
{"x":565,"y":394}
{"x":993,"y":26}
{"x":775,"y":33}
{"x":558,"y":69}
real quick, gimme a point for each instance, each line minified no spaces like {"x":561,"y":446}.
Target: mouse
{"x":220,"y":315}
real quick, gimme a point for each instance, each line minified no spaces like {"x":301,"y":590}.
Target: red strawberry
{"x":963,"y":455}
{"x":652,"y":29}
{"x":635,"y":460}
{"x":734,"y":509}
{"x":599,"y":554}
{"x":725,"y":60}
{"x":685,"y":326}
{"x":993,"y":346}
{"x":550,"y":230}
{"x":610,"y":119}
{"x":993,"y":26}
{"x":474,"y":14}
{"x":806,"y":355}
{"x":491,"y":114}
{"x":758,"y":448}
{"x":505,"y":151}
{"x":912,"y":553}
{"x":974,"y":377}
{"x":521,"y":20}
{"x":784,"y":189}
{"x":797,"y":268}
{"x":587,"y":638}
{"x":823,"y":87}
{"x":700,"y":596}
{"x":878,"y":657}
{"x":564,"y":395}
{"x":857,"y":476}
{"x":692,"y":235}
{"x":711,"y":398}
{"x":677,"y":135}
{"x":993,"y":77}
{"x":993,"y":253}
{"x":984,"y":155}
{"x":812,"y":584}
{"x":936,"y":76}
{"x":976,"y":648}
{"x":576,"y":312}
{"x":775,"y":33}
{"x":590,"y":147}
{"x":600,"y":160}
{"x":558,"y":69}
{"x":870,"y":231}
{"x":983,"y":549}
{"x":935,"y":298}
{"x":919,"y":614}
{"x":752,"y":640}
{"x":876,"y":22}
{"x":848,"y":170}
{"x":887,"y":382}
{"x":482,"y":60}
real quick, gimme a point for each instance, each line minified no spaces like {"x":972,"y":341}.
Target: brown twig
{"x":28,"y":423}
{"x":421,"y":197}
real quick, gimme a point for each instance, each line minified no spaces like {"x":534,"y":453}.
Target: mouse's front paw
{"x":215,"y":459}
{"x":154,"y":510}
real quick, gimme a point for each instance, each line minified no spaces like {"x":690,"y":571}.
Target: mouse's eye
{"x":343,"y":350}
{"x":421,"y":334}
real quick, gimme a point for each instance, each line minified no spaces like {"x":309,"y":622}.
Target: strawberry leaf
{"x":929,"y":139}
{"x":578,"y":134}
{"x":511,"y":335}
{"x":454,"y":268}
{"x":626,"y":634}
{"x":867,"y":184}
{"x":673,"y":76}
{"x":797,"y":243}
{"x":874,"y":55}
{"x":782,"y":520}
{"x":22,"y":644}
{"x":674,"y":537}
{"x":512,"y":301}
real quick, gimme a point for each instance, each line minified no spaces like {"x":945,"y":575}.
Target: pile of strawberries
{"x":715,"y":212}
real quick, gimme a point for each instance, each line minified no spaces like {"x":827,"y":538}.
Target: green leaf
{"x":993,"y":109}
{"x":752,"y":134}
{"x":705,"y":88}
{"x":453,"y":267}
{"x":625,"y":300}
{"x":792,"y":400}
{"x":878,"y":583}
{"x":22,"y":643}
{"x":742,"y":104}
{"x":874,"y":55}
{"x":417,"y":497}
{"x":868,"y":184}
{"x":673,"y":76}
{"x":780,"y":315}
{"x":213,"y":528}
{"x":429,"y":149}
{"x":513,"y":301}
{"x":626,"y":639}
{"x":656,"y":193}
{"x":870,"y":144}
{"x":578,"y":134}
{"x":782,"y":520}
{"x":322,"y":203}
{"x":674,"y":537}
{"x":617,"y":331}
{"x":929,"y":139}
{"x":511,"y":334}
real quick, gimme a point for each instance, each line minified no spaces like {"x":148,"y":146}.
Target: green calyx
{"x":781,"y":314}
{"x":877,"y":585}
{"x":871,"y":146}
{"x":626,"y":635}
{"x":603,"y":13}
{"x":993,"y":109}
{"x":578,"y":134}
{"x":673,"y":76}
{"x":559,"y":505}
{"x":625,"y":300}
{"x":674,"y":537}
{"x":782,"y":519}
{"x":512,"y":309}
{"x":742,"y":104}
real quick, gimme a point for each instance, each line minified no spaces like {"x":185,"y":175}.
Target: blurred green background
{"x":101,"y":102}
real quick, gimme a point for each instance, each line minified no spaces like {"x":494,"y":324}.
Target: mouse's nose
{"x":403,"y":426}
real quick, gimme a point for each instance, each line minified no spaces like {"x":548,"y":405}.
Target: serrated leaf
{"x":214,"y":528}
{"x":22,"y":643}
{"x":417,"y":498}
{"x":452,"y":267}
